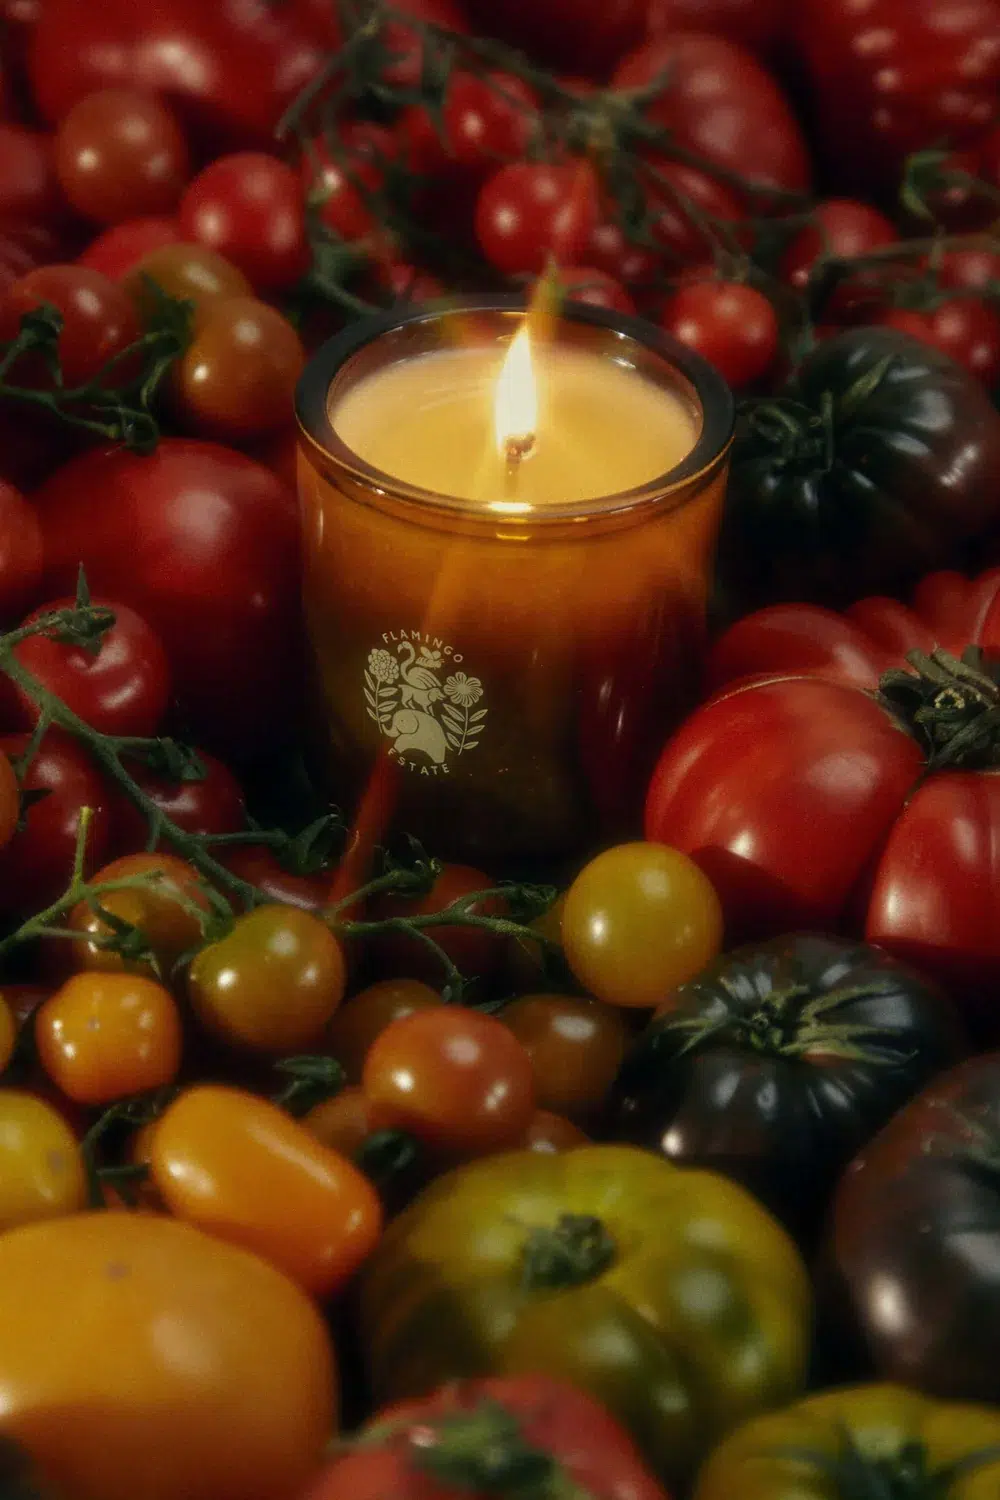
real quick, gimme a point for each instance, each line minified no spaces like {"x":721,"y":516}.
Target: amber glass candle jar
{"x":493,"y":675}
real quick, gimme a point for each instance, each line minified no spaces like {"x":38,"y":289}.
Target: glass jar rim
{"x":718,"y":410}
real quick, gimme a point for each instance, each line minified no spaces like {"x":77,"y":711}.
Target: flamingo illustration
{"x":419,"y":686}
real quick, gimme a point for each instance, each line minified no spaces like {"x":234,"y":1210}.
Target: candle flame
{"x":516,"y":410}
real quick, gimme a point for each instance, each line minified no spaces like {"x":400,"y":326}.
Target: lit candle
{"x":508,"y":545}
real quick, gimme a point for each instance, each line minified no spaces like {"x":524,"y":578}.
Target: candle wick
{"x":516,"y":449}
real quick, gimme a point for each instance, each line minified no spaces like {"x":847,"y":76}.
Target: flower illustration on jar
{"x":426,"y":719}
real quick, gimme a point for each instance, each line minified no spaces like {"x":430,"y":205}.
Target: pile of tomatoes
{"x":328,"y":1176}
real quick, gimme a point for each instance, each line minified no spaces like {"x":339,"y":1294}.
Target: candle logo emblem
{"x":420,"y":701}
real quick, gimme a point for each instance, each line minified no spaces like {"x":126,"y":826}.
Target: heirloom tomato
{"x":813,"y":797}
{"x":669,"y":1295}
{"x":777,"y":1062}
{"x":867,"y":1440}
{"x":877,"y":462}
{"x":469,"y":1436}
{"x":914,"y":1246}
{"x":167,"y":1339}
{"x":204,"y":542}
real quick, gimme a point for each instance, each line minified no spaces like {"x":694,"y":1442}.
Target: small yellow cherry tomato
{"x":41,"y":1169}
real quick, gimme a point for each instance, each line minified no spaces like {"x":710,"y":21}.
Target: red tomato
{"x":248,"y":209}
{"x":35,"y":866}
{"x":212,"y":805}
{"x":120,"y":154}
{"x":121,"y":247}
{"x":205,"y":543}
{"x":963,"y":327}
{"x":406,"y":283}
{"x":974,"y":269}
{"x":123,"y":688}
{"x":808,"y":805}
{"x":682,"y":198}
{"x":596,"y":288}
{"x":260,"y":867}
{"x":29,"y":192}
{"x":610,"y":250}
{"x":474,"y":951}
{"x":891,"y":77}
{"x":230,"y":67}
{"x":23,"y":247}
{"x":486,"y":119}
{"x":411,"y":1456}
{"x":341,"y":181}
{"x":20,"y":553}
{"x":840,"y":227}
{"x":719,"y":100}
{"x":528,"y":214}
{"x":321,"y":20}
{"x":99,"y":320}
{"x":752,"y":23}
{"x":588,"y":36}
{"x":731,"y":324}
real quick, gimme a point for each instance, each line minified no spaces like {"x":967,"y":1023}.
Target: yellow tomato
{"x":41,"y":1170}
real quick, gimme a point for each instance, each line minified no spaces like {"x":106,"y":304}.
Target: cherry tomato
{"x":342,"y":178}
{"x":20,"y":552}
{"x":596,"y":289}
{"x":8,"y":1033}
{"x":576,"y":1047}
{"x":639,"y":920}
{"x":29,"y":193}
{"x":402,"y":43}
{"x":184,"y":1338}
{"x":406,"y":283}
{"x":192,"y":273}
{"x":213,"y":804}
{"x":528,"y":213}
{"x":344,"y":1122}
{"x":962,"y":327}
{"x":120,"y":154}
{"x":610,"y":250}
{"x":248,"y":208}
{"x":682,"y":199}
{"x":525,"y":961}
{"x":118,"y":249}
{"x":205,"y":543}
{"x":365,"y":1016}
{"x":162,"y":912}
{"x":41,"y":1169}
{"x":101,"y":1037}
{"x":248,"y":1173}
{"x":974,"y":269}
{"x":578,"y":35}
{"x":237,"y":379}
{"x":24,"y":247}
{"x":272,"y":983}
{"x":552,"y":1134}
{"x":35,"y":865}
{"x":122,"y":689}
{"x":753,"y":23}
{"x":486,"y":119}
{"x":456,"y":1079}
{"x":840,"y":228}
{"x":474,"y":952}
{"x":99,"y":321}
{"x":259,"y":866}
{"x":732,"y":325}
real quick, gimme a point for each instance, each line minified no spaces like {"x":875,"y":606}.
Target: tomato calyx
{"x":311,"y":1081}
{"x":951,"y":705}
{"x":906,"y":1475}
{"x":571,"y":1252}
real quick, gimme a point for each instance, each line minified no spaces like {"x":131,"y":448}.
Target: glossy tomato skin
{"x":721,"y":102}
{"x":212,"y":804}
{"x":116,"y":250}
{"x":193,"y":273}
{"x":138,"y":1287}
{"x":897,"y":1436}
{"x":752,"y":23}
{"x":236,"y":380}
{"x":584,"y":1444}
{"x":42,"y":1168}
{"x":103,"y":1037}
{"x":99,"y":321}
{"x":474,"y":952}
{"x":120,"y":154}
{"x":35,"y":865}
{"x":779,"y":1061}
{"x":964,"y":328}
{"x":205,"y":543}
{"x":679,"y":1370}
{"x":914,"y":452}
{"x":363,"y":1018}
{"x":528,"y":213}
{"x":781,"y":791}
{"x":680,"y":199}
{"x":248,"y":208}
{"x":576,"y":1046}
{"x":251,"y":1175}
{"x":20,"y":553}
{"x":260,"y":867}
{"x":927,"y":1312}
{"x":843,"y":228}
{"x":733,"y":326}
{"x":596,"y":289}
{"x":123,"y":689}
{"x":228,"y":69}
{"x":165,"y":910}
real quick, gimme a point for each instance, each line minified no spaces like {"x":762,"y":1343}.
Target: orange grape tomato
{"x":550,"y":1133}
{"x":142,"y":1357}
{"x":366,"y":1015}
{"x":101,"y":1037}
{"x":240,"y":1168}
{"x":458,"y":1080}
{"x":344,"y":1122}
{"x":8,"y":1033}
{"x":167,"y":914}
{"x":576,"y":1046}
{"x":639,"y":920}
{"x":41,"y":1169}
{"x":272,"y":983}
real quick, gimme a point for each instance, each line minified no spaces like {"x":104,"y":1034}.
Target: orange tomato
{"x":8,"y":1034}
{"x":101,"y":1037}
{"x":576,"y":1047}
{"x":366,"y":1015}
{"x":41,"y":1170}
{"x":344,"y":1122}
{"x":162,"y":912}
{"x":552,"y":1134}
{"x":238,"y":1166}
{"x":142,"y":1357}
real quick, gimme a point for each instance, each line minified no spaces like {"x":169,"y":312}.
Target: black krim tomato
{"x":914,"y":1245}
{"x":779,"y":1061}
{"x":874,"y":465}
